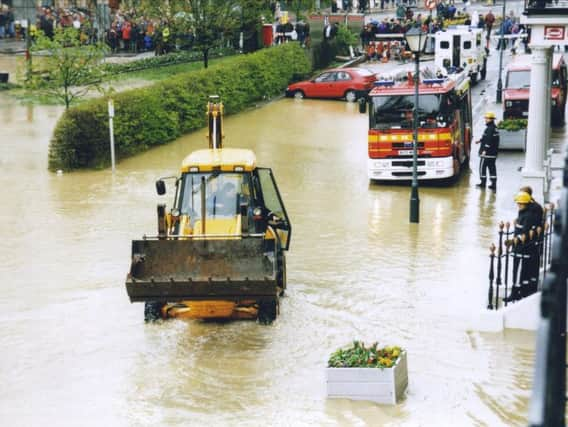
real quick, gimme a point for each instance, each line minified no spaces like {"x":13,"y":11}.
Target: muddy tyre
{"x":152,"y":311}
{"x":350,"y":96}
{"x":299,"y":95}
{"x":267,"y":312}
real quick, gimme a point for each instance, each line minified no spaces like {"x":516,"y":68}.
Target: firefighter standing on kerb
{"x":488,"y":153}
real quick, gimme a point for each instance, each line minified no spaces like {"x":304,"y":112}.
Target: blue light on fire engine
{"x":433,"y":81}
{"x":384,"y":83}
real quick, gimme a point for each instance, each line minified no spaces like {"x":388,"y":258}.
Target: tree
{"x":212,"y":22}
{"x":68,"y":68}
{"x":251,"y":14}
{"x":298,"y":6}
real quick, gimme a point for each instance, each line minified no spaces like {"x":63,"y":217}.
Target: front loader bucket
{"x":177,"y":270}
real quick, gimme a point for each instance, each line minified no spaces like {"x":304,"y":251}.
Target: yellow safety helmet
{"x":523,"y":197}
{"x":490,"y":115}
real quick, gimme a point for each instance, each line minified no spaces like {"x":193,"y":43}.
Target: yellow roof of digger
{"x":223,"y":159}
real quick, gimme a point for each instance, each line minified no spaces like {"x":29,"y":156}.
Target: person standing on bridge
{"x":488,"y":153}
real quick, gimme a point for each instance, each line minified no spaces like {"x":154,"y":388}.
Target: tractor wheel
{"x":299,"y":95}
{"x":152,"y":311}
{"x":350,"y":96}
{"x":267,"y":311}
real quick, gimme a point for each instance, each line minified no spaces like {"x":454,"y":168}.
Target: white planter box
{"x":375,"y":384}
{"x":512,"y":140}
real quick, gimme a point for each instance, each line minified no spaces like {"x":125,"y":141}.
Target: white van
{"x":461,"y":47}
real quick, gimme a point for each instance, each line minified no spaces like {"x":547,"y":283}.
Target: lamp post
{"x":498,"y":97}
{"x":416,"y":41}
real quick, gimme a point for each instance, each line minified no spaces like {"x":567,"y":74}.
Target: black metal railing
{"x":548,"y":401}
{"x":517,"y":263}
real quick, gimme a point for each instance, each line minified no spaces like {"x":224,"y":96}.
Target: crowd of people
{"x":7,"y":22}
{"x":131,"y":33}
{"x":48,"y":19}
{"x":447,"y":14}
{"x":128,"y":32}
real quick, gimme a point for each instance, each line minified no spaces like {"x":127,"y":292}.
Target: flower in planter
{"x":512,"y":124}
{"x":361,"y":356}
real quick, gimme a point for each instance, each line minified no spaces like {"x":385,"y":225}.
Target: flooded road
{"x":76,"y":352}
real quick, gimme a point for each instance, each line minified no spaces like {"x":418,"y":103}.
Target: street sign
{"x":553,"y":32}
{"x":430,"y":4}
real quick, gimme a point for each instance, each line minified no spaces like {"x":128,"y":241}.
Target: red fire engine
{"x":444,"y":128}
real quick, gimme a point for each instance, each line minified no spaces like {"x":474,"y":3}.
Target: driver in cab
{"x":224,"y":201}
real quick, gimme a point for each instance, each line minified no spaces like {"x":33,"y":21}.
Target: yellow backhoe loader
{"x":219,"y":252}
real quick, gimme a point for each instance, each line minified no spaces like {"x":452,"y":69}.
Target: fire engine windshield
{"x":397,"y":110}
{"x":518,"y":79}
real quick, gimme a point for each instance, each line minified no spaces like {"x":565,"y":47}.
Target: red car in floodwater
{"x":348,"y":83}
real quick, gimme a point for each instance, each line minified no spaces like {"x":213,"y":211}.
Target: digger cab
{"x":223,"y":193}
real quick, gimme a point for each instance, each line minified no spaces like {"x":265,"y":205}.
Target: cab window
{"x":273,"y":203}
{"x":223,"y":193}
{"x":325,"y":77}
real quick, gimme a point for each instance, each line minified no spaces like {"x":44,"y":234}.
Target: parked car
{"x":348,"y":83}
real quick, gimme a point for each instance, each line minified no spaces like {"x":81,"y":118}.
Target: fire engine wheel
{"x":267,"y":311}
{"x":152,"y":311}
{"x":299,"y":95}
{"x":350,"y":96}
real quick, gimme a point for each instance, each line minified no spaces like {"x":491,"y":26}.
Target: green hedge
{"x":160,"y":113}
{"x":324,"y":53}
{"x":513,"y":124}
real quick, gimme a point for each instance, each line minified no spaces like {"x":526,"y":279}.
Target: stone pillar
{"x":549,"y":63}
{"x":547,"y":110}
{"x":539,"y":103}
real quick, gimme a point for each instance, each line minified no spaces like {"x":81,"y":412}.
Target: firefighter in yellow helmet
{"x":528,"y":219}
{"x":488,"y":149}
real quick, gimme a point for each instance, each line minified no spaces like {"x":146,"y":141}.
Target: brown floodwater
{"x":75,"y":351}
